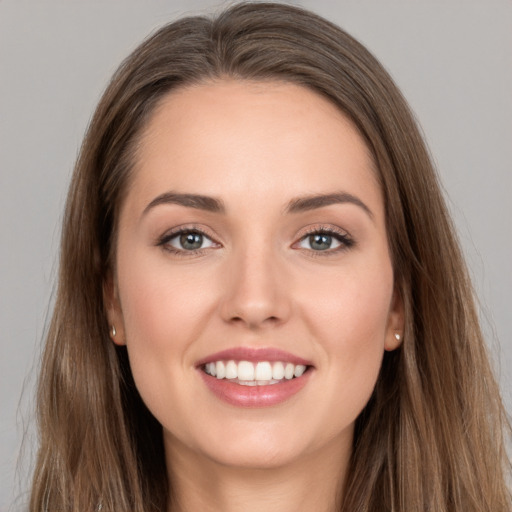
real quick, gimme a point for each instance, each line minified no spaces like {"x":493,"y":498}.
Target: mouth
{"x":247,"y":377}
{"x":248,"y":373}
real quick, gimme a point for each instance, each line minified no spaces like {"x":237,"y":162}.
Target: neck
{"x":312,"y":483}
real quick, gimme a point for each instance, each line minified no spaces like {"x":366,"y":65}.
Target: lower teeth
{"x":255,"y":382}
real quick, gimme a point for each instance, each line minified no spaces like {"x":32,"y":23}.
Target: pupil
{"x":320,"y":242}
{"x":191,"y":241}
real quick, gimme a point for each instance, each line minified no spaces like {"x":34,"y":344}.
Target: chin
{"x":259,"y":443}
{"x":257,"y":456}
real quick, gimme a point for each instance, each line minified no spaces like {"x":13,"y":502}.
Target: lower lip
{"x":254,"y":396}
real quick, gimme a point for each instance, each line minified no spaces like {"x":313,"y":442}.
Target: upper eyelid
{"x":322,"y":228}
{"x":188,"y":228}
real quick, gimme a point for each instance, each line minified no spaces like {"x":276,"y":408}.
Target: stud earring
{"x":398,"y":337}
{"x":113,"y":331}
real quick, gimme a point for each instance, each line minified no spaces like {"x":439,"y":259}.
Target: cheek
{"x":350,"y":306}
{"x":351,"y":322}
{"x":163,"y":308}
{"x":159,"y":300}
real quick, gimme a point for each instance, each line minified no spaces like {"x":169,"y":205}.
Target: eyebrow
{"x":207,"y":203}
{"x":297,"y":205}
{"x":315,"y":201}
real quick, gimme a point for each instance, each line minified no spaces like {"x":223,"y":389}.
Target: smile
{"x":261,"y":373}
{"x":249,"y":377}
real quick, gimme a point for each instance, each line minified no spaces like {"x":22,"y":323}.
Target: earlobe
{"x":394,"y":336}
{"x":113,"y":311}
{"x":393,"y":341}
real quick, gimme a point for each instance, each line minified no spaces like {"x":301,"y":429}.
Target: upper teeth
{"x":262,"y":372}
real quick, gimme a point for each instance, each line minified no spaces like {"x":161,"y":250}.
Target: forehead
{"x":271,"y":138}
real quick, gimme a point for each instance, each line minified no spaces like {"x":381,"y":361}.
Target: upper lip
{"x":254,"y":355}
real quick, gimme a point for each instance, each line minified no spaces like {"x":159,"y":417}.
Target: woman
{"x":262,"y":303}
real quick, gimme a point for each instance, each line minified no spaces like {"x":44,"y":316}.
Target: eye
{"x":322,"y":240}
{"x":189,"y":240}
{"x":319,"y":242}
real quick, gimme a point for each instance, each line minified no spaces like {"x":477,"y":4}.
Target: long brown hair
{"x":431,"y":437}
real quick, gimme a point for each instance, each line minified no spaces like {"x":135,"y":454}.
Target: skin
{"x":257,"y":282}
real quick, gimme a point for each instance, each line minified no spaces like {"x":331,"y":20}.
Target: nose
{"x":256,"y":293}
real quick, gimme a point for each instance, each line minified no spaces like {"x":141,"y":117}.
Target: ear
{"x":113,"y":310}
{"x":396,"y":322}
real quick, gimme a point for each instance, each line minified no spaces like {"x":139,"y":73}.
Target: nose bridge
{"x":255,"y":293}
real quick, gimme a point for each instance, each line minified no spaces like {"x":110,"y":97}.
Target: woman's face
{"x":253,"y":232}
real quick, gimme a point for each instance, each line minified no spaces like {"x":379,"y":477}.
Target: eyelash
{"x":346,"y":242}
{"x":164,"y":240}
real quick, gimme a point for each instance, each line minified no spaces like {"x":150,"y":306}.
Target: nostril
{"x":255,"y":306}
{"x":255,"y":323}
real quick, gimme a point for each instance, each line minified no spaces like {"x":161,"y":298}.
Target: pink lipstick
{"x":248,"y":377}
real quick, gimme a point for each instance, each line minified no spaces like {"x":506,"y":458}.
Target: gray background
{"x":451,"y":59}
